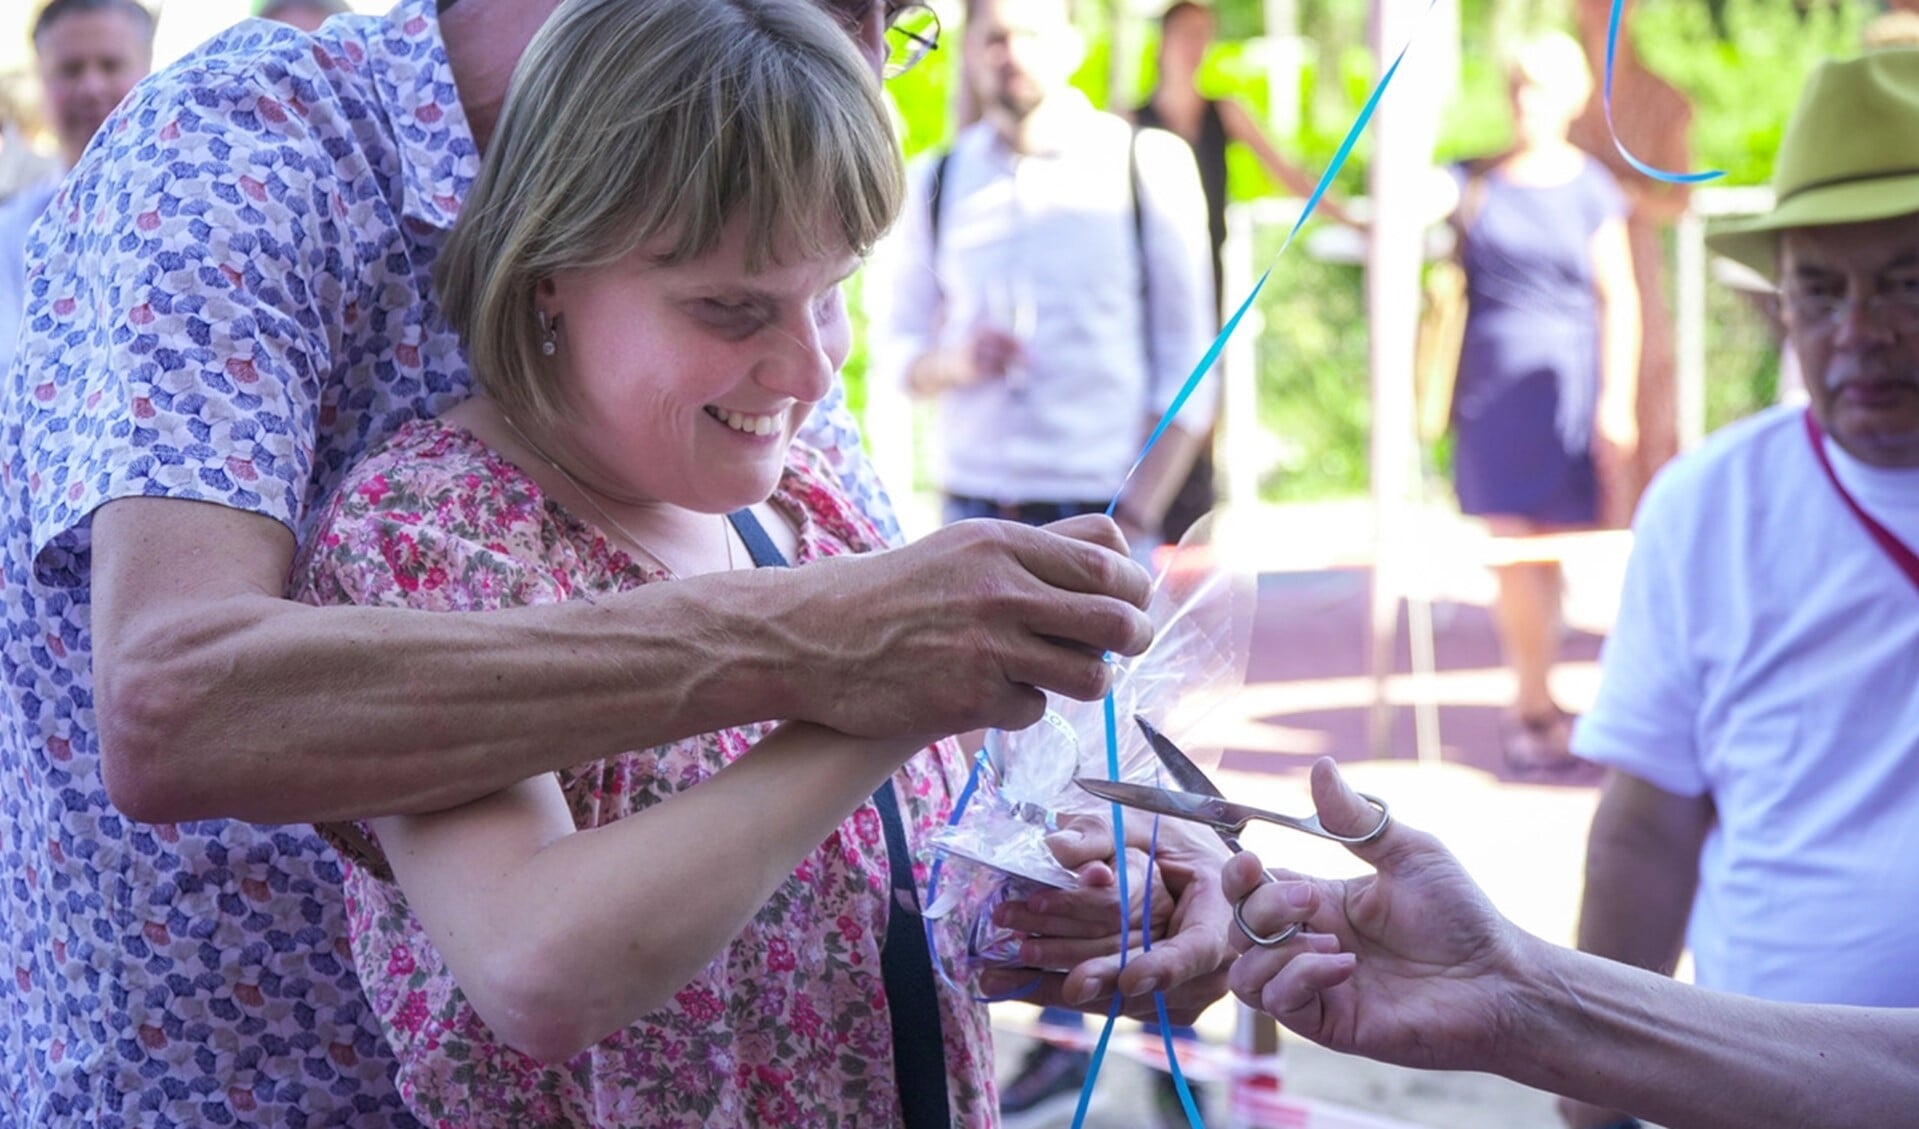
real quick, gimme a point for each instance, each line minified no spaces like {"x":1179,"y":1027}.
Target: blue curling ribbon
{"x":1612,"y":47}
{"x":1312,"y":203}
{"x":1180,"y":1087}
{"x":1172,"y":411}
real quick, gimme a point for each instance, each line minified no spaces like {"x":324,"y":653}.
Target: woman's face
{"x":686,"y":383}
{"x":1542,"y":113}
{"x":1185,"y":40}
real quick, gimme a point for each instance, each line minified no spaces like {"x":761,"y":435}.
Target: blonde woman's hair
{"x":1554,"y":61}
{"x":634,"y":121}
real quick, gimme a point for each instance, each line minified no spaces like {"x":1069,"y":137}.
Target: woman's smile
{"x":761,"y":426}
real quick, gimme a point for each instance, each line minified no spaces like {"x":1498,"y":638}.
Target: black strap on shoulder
{"x":906,"y":966}
{"x":1139,"y":242}
{"x":935,"y":192}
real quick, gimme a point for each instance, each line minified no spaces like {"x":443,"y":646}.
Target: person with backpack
{"x":1050,"y":286}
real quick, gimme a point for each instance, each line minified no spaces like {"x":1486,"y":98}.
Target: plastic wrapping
{"x":996,"y":851}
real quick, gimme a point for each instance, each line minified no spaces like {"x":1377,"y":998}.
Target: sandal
{"x":1540,"y":743}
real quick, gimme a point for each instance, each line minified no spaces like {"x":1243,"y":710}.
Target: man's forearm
{"x":261,"y":709}
{"x":1642,"y":868}
{"x":215,"y":697}
{"x":1690,"y":1058}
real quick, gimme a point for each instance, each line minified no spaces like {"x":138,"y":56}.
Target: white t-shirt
{"x":1767,"y":653}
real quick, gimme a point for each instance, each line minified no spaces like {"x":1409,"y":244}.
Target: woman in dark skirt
{"x":1543,"y":410}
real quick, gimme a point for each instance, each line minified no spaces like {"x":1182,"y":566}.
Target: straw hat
{"x":1850,"y":154}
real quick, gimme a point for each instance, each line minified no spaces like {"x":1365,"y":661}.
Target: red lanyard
{"x":1902,"y":556}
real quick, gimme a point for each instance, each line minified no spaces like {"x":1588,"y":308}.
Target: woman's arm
{"x":1619,"y":330}
{"x":1618,"y":292}
{"x":519,"y":902}
{"x":1241,"y":127}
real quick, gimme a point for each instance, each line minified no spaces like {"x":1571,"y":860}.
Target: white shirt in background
{"x":1767,"y":653}
{"x":1043,"y":244}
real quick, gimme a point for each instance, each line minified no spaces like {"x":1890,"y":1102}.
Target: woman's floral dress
{"x":789,"y":1026}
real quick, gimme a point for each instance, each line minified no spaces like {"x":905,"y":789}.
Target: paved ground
{"x":1308,"y":693}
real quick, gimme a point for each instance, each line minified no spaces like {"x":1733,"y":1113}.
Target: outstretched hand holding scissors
{"x":1203,"y":802}
{"x":1409,"y":964}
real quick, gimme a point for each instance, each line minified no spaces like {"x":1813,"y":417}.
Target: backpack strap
{"x":1139,"y":245}
{"x":935,"y":194}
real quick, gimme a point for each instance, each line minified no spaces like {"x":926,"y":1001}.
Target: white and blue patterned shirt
{"x":229,"y":302}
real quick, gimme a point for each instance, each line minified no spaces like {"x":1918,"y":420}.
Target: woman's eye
{"x":828,"y":307}
{"x":741,"y":316}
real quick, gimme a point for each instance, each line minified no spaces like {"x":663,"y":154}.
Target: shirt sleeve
{"x":1608,"y":199}
{"x":1645,"y":719}
{"x":187,"y":293}
{"x":1179,"y":276}
{"x":834,"y":432}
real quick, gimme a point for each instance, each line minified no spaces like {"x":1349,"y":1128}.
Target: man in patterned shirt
{"x":232,"y":301}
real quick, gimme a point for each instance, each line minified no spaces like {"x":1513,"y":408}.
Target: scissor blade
{"x":1184,"y":772}
{"x":1180,"y":805}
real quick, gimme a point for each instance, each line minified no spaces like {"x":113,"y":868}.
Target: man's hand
{"x":1190,"y":953}
{"x":955,"y":632}
{"x":1411,"y":965}
{"x":934,"y":373}
{"x":995,"y":353}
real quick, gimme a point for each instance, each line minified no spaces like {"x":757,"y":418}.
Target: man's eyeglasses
{"x":912,"y":30}
{"x":1820,"y":310}
{"x":912,"y":33}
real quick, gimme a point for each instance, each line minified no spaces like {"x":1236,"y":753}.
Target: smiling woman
{"x":650,"y":300}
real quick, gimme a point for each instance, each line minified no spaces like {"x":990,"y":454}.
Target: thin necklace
{"x":726,"y":528}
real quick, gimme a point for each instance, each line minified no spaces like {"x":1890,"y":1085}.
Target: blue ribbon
{"x":1612,"y":47}
{"x":1186,"y":390}
{"x":1112,"y":741}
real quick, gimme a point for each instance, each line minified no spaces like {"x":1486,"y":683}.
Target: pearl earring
{"x":549,"y":334}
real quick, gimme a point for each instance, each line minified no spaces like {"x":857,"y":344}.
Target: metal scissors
{"x":1203,"y":802}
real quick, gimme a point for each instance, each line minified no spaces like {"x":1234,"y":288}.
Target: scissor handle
{"x":1311,"y":825}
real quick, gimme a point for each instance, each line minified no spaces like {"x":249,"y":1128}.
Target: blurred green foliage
{"x":1740,"y":61}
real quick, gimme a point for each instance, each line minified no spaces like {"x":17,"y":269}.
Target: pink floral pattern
{"x":790,"y":1025}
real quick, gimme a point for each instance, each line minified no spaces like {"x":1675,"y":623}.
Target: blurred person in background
{"x":1542,"y":408}
{"x":1208,"y":125}
{"x":88,"y":54}
{"x":1048,"y":287}
{"x":307,"y":15}
{"x":20,"y":163}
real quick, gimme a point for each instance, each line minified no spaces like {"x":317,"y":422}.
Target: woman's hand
{"x":1078,"y":930}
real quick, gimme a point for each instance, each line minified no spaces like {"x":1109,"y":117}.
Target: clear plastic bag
{"x":996,"y":851}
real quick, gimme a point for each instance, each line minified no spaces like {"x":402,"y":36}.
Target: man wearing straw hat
{"x":1757,"y":706}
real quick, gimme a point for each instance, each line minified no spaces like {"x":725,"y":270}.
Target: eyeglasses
{"x":912,"y":30}
{"x":1820,"y":310}
{"x":912,"y":33}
